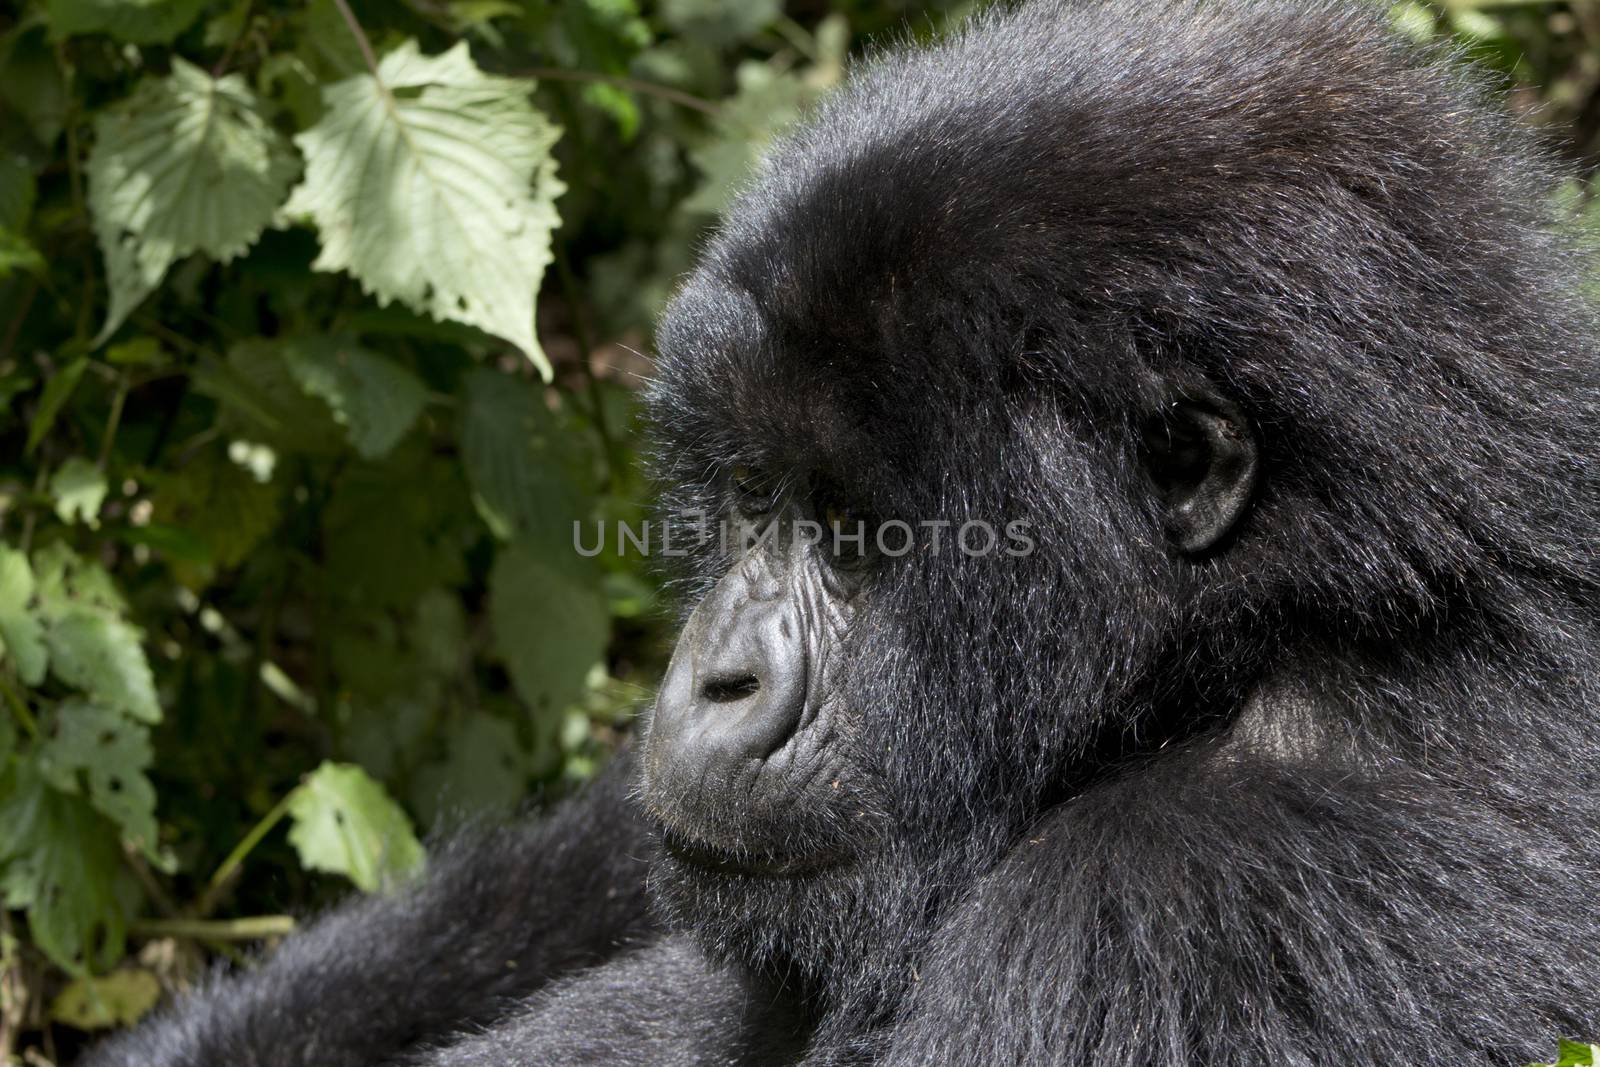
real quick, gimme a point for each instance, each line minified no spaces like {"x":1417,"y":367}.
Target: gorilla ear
{"x":1200,"y":452}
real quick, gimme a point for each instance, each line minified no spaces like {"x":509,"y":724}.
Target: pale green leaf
{"x":100,"y":654}
{"x":345,"y":823}
{"x":120,"y":998}
{"x":79,"y":488}
{"x":185,"y":164}
{"x":375,"y":399}
{"x":138,"y":21}
{"x":433,"y":184}
{"x":66,"y":581}
{"x":112,"y":753}
{"x":20,"y":632}
{"x":550,"y":627}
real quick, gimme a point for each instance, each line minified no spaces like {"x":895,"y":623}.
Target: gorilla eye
{"x":848,"y":535}
{"x":753,"y":490}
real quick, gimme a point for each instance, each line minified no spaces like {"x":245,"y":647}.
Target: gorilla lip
{"x":712,"y":858}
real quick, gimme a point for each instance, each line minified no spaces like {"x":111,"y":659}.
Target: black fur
{"x":1320,"y":796}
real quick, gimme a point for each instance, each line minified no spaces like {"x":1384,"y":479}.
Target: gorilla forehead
{"x":1048,"y":179}
{"x":1051,"y":155}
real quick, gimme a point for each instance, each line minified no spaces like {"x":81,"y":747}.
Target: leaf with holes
{"x":375,"y":399}
{"x":112,"y":754}
{"x":100,"y":654}
{"x":61,"y":862}
{"x":433,"y":184}
{"x":120,"y":998}
{"x":21,"y":636}
{"x":185,"y":164}
{"x":345,"y":823}
{"x":66,"y":581}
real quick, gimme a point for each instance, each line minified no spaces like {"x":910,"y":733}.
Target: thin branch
{"x":113,"y":420}
{"x":251,"y":928}
{"x":223,"y":878}
{"x":664,"y":92}
{"x":361,"y":38}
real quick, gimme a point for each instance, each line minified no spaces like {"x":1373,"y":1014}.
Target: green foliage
{"x":1573,"y":1054}
{"x":345,"y":823}
{"x":318,"y":334}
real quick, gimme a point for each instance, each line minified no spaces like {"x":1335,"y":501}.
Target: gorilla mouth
{"x":746,"y":862}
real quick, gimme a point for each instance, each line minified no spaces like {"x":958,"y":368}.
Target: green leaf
{"x":17,"y":254}
{"x":720,"y":22}
{"x":375,"y":399}
{"x":138,"y":21}
{"x":61,"y":862}
{"x":433,"y":184}
{"x":20,"y":633}
{"x":100,"y":654}
{"x":16,"y":191}
{"x":120,"y":998}
{"x":66,"y":581}
{"x":550,"y":627}
{"x":345,"y":823}
{"x":397,"y":528}
{"x":261,"y":401}
{"x":139,"y":352}
{"x":484,"y":769}
{"x":113,"y":754}
{"x":33,"y":86}
{"x":79,"y":488}
{"x":185,"y":164}
{"x":518,"y":460}
{"x":221,"y":504}
{"x":57,"y":391}
{"x":1577,"y":1054}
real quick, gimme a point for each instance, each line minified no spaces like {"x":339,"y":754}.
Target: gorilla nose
{"x":736,"y":688}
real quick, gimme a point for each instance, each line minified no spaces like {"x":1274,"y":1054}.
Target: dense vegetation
{"x":320,"y":323}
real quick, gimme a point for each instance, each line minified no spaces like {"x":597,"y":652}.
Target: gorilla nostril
{"x":730,"y":688}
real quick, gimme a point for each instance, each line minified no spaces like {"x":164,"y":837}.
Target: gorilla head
{"x":1259,"y":361}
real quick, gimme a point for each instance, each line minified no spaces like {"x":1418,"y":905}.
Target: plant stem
{"x":664,"y":92}
{"x":112,"y":420}
{"x":251,"y":928}
{"x":230,"y":866}
{"x":361,"y":39}
{"x":580,"y":327}
{"x":19,"y":708}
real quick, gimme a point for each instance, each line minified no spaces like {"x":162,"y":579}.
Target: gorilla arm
{"x":497,"y":916}
{"x":663,"y":1006}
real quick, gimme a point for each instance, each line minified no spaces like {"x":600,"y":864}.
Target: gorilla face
{"x":911,"y":569}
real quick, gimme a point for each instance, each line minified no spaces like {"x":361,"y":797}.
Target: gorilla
{"x":1198,"y":402}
